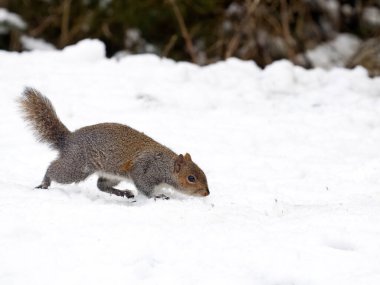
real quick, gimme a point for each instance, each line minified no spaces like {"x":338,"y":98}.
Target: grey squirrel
{"x":113,"y":151}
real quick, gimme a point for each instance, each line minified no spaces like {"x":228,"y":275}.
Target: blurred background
{"x":310,"y":33}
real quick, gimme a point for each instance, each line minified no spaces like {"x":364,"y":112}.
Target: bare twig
{"x":64,"y":38}
{"x":106,"y":30}
{"x":14,"y":43}
{"x":168,"y":47}
{"x":185,"y":33}
{"x":252,"y":6}
{"x":243,"y":28}
{"x":286,"y":31}
{"x":46,"y":23}
{"x":232,"y":46}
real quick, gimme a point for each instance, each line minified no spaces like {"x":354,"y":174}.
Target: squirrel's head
{"x":190,"y":178}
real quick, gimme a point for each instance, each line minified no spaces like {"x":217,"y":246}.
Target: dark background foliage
{"x":201,"y":31}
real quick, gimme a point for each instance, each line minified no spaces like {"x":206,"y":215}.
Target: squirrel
{"x":113,"y":151}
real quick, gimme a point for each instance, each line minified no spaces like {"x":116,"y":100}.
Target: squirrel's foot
{"x":105,"y":185}
{"x":44,"y":184}
{"x":121,"y":193}
{"x":161,"y":197}
{"x":41,"y":186}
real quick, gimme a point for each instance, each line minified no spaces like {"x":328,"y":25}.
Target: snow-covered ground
{"x":292,"y":158}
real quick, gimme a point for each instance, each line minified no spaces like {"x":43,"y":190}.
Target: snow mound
{"x":334,"y":53}
{"x":29,"y":43}
{"x":10,"y":19}
{"x":85,"y":50}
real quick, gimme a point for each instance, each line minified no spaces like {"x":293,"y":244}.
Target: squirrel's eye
{"x":191,"y":179}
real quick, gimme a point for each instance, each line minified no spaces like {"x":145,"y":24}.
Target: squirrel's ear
{"x":178,"y":163}
{"x":187,"y":157}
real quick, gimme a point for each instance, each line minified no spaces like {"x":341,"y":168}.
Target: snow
{"x":10,"y":19}
{"x":371,"y":15}
{"x":334,"y":53}
{"x":30,"y":43}
{"x":292,"y":158}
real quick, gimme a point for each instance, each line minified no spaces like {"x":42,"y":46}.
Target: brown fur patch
{"x":127,"y":166}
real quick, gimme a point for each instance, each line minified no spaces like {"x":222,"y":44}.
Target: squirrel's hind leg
{"x":61,"y":171}
{"x":106,"y":185}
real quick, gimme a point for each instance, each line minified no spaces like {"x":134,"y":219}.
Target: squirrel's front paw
{"x":123,"y":193}
{"x":161,"y":196}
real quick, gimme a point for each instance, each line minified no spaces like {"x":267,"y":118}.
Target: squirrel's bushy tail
{"x":41,"y":116}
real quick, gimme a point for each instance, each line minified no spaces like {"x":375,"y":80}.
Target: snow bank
{"x":292,"y":157}
{"x":29,"y":43}
{"x":334,"y":53}
{"x":10,"y":19}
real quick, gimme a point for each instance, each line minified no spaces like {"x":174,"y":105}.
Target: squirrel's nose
{"x":207,"y":192}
